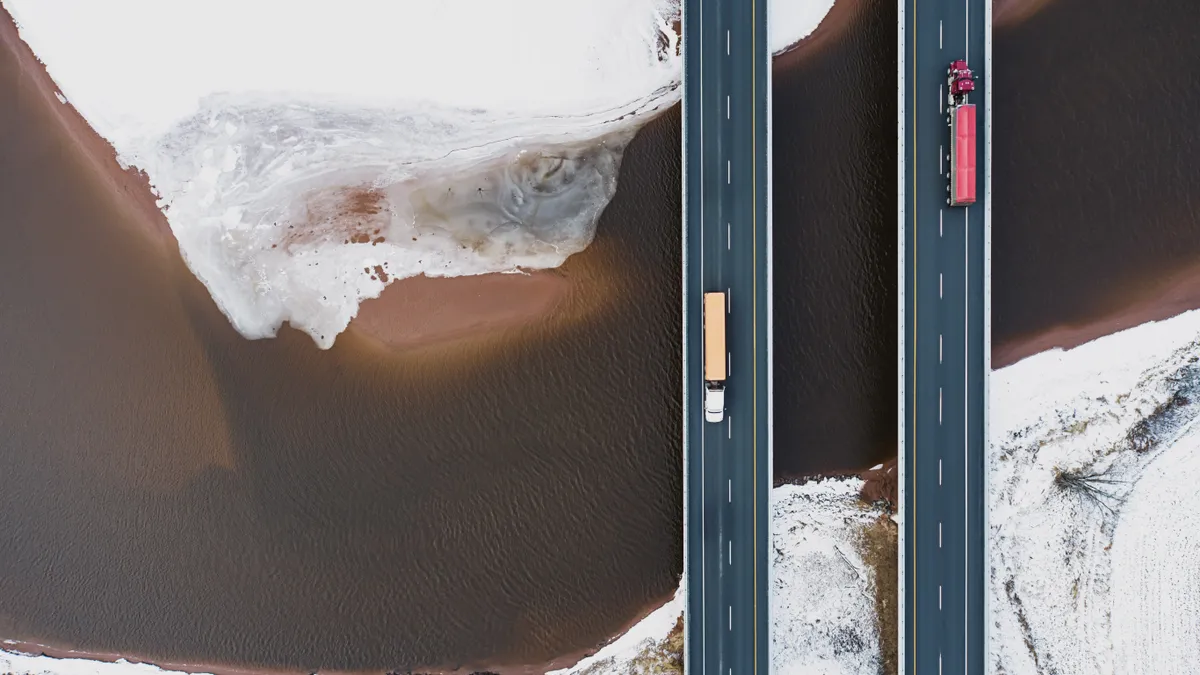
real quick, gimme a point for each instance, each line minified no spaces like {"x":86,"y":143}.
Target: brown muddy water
{"x":1095,"y":176}
{"x":171,"y":490}
{"x":835,"y":246}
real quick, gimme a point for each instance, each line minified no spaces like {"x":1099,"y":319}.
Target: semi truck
{"x":714,"y":357}
{"x":961,"y":120}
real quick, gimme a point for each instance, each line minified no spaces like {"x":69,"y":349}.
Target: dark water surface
{"x":171,"y":490}
{"x":1096,"y":175}
{"x":836,"y":250}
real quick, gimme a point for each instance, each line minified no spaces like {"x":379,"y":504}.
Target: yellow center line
{"x":754,"y":260}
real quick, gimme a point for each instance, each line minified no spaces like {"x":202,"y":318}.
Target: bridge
{"x":944,"y":359}
{"x":727,"y":248}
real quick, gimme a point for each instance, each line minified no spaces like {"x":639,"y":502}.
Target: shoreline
{"x":839,"y":19}
{"x":33,"y":649}
{"x":129,"y":187}
{"x":1008,"y":13}
{"x":1171,"y":296}
{"x":879,"y":481}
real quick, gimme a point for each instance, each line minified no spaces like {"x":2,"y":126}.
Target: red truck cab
{"x":962,"y":80}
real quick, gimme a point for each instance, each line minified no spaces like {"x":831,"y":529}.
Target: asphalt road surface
{"x":727,"y":465}
{"x":944,"y":342}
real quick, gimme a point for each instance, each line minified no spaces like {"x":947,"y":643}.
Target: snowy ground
{"x":1101,"y":578}
{"x":310,"y":156}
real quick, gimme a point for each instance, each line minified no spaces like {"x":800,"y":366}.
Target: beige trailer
{"x":715,"y":356}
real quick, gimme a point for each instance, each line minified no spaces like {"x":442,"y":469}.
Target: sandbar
{"x":419,"y":311}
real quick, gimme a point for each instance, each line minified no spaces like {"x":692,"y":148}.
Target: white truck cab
{"x":714,"y":402}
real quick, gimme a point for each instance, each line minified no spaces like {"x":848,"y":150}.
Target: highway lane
{"x":945,"y":377}
{"x":728,"y":473}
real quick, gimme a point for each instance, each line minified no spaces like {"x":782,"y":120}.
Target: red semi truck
{"x":961,"y":119}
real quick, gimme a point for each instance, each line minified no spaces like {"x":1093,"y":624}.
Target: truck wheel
{"x":947,"y":201}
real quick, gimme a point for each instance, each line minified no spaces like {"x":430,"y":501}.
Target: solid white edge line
{"x":687,"y":403}
{"x":901,"y":608}
{"x":770,"y":336}
{"x":987,"y":309}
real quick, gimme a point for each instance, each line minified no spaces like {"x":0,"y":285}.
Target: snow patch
{"x":1092,"y":454}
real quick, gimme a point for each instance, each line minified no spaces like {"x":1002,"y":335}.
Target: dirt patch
{"x":355,"y":215}
{"x":878,"y":543}
{"x":1010,"y":589}
{"x":881,"y":486}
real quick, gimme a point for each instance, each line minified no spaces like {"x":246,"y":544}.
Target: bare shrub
{"x":1090,"y":487}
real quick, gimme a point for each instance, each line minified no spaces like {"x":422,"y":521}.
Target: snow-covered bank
{"x":308,"y":154}
{"x":1093,"y":465}
{"x":307,"y":157}
{"x":822,"y":594}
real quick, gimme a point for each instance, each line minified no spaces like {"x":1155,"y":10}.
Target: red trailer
{"x":962,"y":155}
